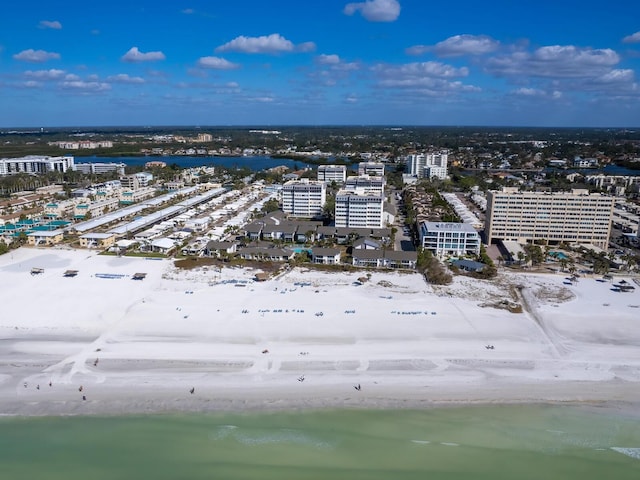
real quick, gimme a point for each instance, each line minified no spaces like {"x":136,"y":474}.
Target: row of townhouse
{"x":319,"y":255}
{"x":300,"y":232}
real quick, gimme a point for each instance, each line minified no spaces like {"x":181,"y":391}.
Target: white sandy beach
{"x":304,"y":339}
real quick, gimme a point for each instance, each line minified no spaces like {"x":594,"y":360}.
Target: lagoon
{"x":254,"y":163}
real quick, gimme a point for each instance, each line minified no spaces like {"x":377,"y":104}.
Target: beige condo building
{"x":571,"y":217}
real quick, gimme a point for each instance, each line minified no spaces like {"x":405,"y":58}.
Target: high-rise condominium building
{"x":304,"y":198}
{"x":359,"y":210}
{"x":365,"y":184}
{"x":428,"y":165}
{"x":375,"y":169}
{"x":571,"y":217}
{"x":332,"y":173}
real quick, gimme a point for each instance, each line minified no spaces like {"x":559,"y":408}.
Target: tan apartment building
{"x":551,"y":217}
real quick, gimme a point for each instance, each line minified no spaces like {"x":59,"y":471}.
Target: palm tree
{"x":563,"y":264}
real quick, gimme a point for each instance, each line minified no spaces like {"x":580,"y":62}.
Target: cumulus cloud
{"x":375,"y":10}
{"x":425,"y":78}
{"x":51,"y":74}
{"x":271,"y":44}
{"x":634,"y":38}
{"x":560,"y":61}
{"x":36,"y":56}
{"x":537,"y":93}
{"x":125,"y":78}
{"x":31,"y":84}
{"x":53,"y":24}
{"x":265,"y":99}
{"x":458,"y":45}
{"x":306,"y":47}
{"x":217,"y":63}
{"x":421,"y":69}
{"x":134,"y":55}
{"x":351,"y":98}
{"x":328,"y":59}
{"x":418,"y":50}
{"x":465,"y":45}
{"x":82,"y":86}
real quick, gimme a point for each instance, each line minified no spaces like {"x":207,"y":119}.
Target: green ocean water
{"x":487,"y":442}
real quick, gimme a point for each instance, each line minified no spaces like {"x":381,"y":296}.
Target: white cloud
{"x":306,"y":47}
{"x":375,"y":10}
{"x":537,"y":93}
{"x":36,"y":56}
{"x":71,"y":77}
{"x":328,"y":59}
{"x":32,"y":84}
{"x":125,"y":78}
{"x":217,"y":63}
{"x":465,"y":45}
{"x":617,"y":76}
{"x":274,"y":43}
{"x":555,"y":61}
{"x":421,"y":69}
{"x":135,"y":55}
{"x":51,"y":74}
{"x":634,"y":38}
{"x":55,"y":25}
{"x":529,"y":92}
{"x":85,"y":87}
{"x":188,"y":11}
{"x":418,"y":50}
{"x":426,"y":78}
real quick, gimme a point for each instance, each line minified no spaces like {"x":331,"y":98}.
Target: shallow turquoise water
{"x":497,"y":442}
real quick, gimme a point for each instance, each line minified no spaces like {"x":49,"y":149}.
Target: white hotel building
{"x":35,"y":164}
{"x":359,"y":209}
{"x":304,"y":198}
{"x":571,"y":217}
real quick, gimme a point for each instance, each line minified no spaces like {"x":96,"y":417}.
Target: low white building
{"x":449,"y":238}
{"x":99,"y":167}
{"x":35,"y":164}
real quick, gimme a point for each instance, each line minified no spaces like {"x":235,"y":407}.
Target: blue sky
{"x":320,"y":62}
